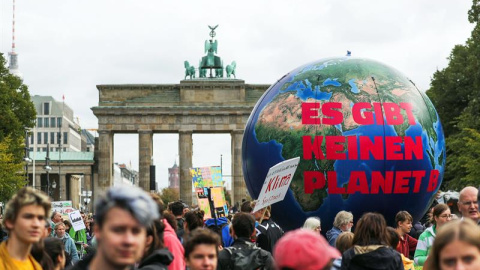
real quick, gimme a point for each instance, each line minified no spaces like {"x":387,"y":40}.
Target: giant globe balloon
{"x":367,"y":138}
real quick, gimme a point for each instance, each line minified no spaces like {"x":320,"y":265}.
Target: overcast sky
{"x":70,"y":46}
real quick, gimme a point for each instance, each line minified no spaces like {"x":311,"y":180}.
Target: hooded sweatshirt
{"x":174,"y":246}
{"x":158,"y":260}
{"x":371,"y":257}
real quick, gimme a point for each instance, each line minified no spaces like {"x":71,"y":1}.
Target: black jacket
{"x":268,"y":234}
{"x":371,"y":257}
{"x":160,"y":259}
{"x":243,"y":254}
{"x":84,"y":263}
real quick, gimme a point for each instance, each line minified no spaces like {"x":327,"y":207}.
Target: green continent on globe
{"x":347,"y":81}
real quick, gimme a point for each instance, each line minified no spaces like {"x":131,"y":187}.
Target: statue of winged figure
{"x":213,"y":28}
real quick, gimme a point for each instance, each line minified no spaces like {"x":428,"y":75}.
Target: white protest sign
{"x":77,"y":221}
{"x":63,"y":207}
{"x":277,"y":183}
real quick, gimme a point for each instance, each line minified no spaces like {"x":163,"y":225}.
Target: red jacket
{"x":174,"y":246}
{"x":406,"y":245}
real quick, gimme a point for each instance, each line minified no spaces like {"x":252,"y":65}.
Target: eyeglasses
{"x":446,"y":216}
{"x":469,"y":203}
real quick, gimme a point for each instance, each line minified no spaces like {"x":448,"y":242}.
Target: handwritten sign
{"x":276,"y":183}
{"x":77,"y":221}
{"x":63,"y":207}
{"x":204,"y":205}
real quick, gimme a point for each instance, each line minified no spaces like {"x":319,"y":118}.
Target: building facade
{"x":55,"y":127}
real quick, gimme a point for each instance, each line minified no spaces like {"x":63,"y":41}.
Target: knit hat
{"x":303,"y":250}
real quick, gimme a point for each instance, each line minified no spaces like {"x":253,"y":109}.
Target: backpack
{"x":217,"y":228}
{"x":253,"y":258}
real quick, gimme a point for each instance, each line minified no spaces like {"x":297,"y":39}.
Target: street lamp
{"x":86,"y":201}
{"x":48,"y":168}
{"x":26,"y":158}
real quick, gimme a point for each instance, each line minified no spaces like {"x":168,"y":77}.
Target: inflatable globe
{"x":367,"y":138}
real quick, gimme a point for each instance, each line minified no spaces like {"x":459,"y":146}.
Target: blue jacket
{"x":332,"y":235}
{"x":70,"y":247}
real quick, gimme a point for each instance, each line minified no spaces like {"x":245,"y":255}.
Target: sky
{"x":69,"y":47}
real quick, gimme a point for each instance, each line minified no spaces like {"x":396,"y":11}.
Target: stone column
{"x":38,"y":180}
{"x":185,"y":150}
{"x":87,"y":186}
{"x":239,"y":189}
{"x":145,"y":143}
{"x":62,"y":186}
{"x":105,"y":161}
{"x":87,"y":182}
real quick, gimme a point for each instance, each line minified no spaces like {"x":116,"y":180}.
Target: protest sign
{"x":276,"y":183}
{"x":218,"y":196}
{"x":63,"y":207}
{"x":206,"y":176}
{"x":204,"y":204}
{"x":77,"y":221}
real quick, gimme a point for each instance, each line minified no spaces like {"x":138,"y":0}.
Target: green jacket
{"x":425,"y":242}
{"x":78,"y":236}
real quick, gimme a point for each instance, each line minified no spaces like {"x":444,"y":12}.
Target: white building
{"x":55,"y":126}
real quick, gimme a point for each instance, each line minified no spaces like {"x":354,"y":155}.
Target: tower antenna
{"x":13,"y":61}
{"x":13,"y":29}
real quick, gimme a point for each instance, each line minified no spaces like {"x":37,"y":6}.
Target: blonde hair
{"x":312,"y":223}
{"x":24,"y":197}
{"x":58,"y":225}
{"x":267,"y":209}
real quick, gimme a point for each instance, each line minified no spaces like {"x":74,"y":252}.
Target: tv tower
{"x":13,"y":56}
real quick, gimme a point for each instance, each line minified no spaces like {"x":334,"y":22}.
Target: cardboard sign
{"x":277,"y":182}
{"x":218,"y":196}
{"x":204,"y":205}
{"x":77,"y":221}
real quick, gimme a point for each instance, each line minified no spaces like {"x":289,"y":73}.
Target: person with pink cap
{"x":304,"y":250}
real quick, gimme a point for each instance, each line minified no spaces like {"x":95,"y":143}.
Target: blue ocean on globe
{"x":274,"y":133}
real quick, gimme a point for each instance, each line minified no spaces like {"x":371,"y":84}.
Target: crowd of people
{"x":132,"y":229}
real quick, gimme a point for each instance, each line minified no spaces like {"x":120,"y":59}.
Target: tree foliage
{"x":169,"y":195}
{"x":11,"y":179}
{"x":17,"y":111}
{"x":455,"y":92}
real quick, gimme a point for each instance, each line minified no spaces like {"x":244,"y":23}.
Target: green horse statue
{"x":231,"y":69}
{"x":189,"y":70}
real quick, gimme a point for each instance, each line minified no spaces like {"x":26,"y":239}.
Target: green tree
{"x":17,"y":111}
{"x":169,"y":195}
{"x":455,"y":92}
{"x":10,"y":178}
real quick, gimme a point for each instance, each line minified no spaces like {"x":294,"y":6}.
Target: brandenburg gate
{"x":193,"y":106}
{"x":209,"y":104}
